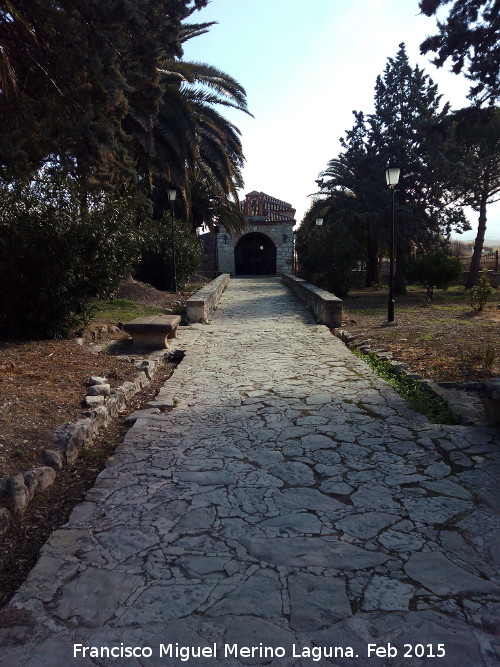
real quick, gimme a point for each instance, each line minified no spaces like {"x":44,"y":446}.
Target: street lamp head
{"x":172,"y":194}
{"x":319,"y":222}
{"x":392,"y":173}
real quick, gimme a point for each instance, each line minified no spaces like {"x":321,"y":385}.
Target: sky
{"x":306,"y":65}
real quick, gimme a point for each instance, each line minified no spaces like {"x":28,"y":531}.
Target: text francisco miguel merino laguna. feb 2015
{"x":316,"y":653}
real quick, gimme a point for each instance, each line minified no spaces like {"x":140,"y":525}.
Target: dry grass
{"x":442,"y":340}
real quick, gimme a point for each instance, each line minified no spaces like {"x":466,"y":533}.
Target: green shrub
{"x":433,"y":270}
{"x":59,"y":249}
{"x":479,"y":295}
{"x":418,"y":396}
{"x":329,"y":254}
{"x":156,"y":266}
{"x":336,"y":280}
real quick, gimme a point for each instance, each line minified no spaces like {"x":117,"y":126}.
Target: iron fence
{"x":487,"y":263}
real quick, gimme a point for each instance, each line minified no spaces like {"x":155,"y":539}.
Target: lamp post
{"x":172,"y":194}
{"x":391,"y":178}
{"x":294,"y":252}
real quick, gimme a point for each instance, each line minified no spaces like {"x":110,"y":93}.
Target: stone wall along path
{"x":290,"y":504}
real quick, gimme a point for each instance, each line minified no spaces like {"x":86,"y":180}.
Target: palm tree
{"x":354,"y":174}
{"x":194,"y":143}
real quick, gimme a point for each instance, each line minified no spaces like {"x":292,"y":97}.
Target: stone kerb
{"x":325,"y":306}
{"x":201,"y":305}
{"x":68,"y":439}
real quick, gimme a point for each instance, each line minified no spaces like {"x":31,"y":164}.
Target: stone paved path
{"x":289,"y":499}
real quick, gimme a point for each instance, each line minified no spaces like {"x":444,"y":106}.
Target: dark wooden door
{"x":255,"y":255}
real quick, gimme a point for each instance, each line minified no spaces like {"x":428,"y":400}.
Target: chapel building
{"x":265,"y":247}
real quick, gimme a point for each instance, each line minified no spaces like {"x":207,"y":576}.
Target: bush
{"x":328,"y":255}
{"x":419,"y":397}
{"x":59,"y":249}
{"x":156,"y":266}
{"x":336,"y":280}
{"x":479,"y":295}
{"x":433,"y":270}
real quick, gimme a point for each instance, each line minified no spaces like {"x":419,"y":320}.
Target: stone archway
{"x":255,"y":255}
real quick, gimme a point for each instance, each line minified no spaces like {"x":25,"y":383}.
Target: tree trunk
{"x":399,"y":277}
{"x":372,"y":263}
{"x":475,"y":264}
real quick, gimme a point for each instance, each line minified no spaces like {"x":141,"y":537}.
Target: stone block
{"x":128,"y":389}
{"x":69,"y":438}
{"x":99,"y":390}
{"x":141,"y":381}
{"x":148,"y":368}
{"x":17,"y":493}
{"x":52,"y":459}
{"x":140,"y":414}
{"x":93,"y":401}
{"x":200,"y":306}
{"x":5,"y":520}
{"x":153,"y":331}
{"x":38,"y":479}
{"x":99,"y":417}
{"x":95,"y":380}
{"x":116,"y":403}
{"x":112,"y":406}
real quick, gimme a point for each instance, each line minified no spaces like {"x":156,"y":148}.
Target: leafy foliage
{"x":469,"y":149}
{"x":81,"y":82}
{"x":403,"y":126}
{"x":196,"y":149}
{"x":57,"y":255}
{"x":356,"y":173}
{"x":99,"y":92}
{"x":327,"y":254}
{"x":479,"y":295}
{"x":433,"y":270}
{"x":156,"y":263}
{"x":469,"y":36}
{"x":407,"y":109}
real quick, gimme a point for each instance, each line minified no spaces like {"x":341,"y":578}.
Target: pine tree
{"x":472,"y":150}
{"x":407,"y":107}
{"x":470,"y":37}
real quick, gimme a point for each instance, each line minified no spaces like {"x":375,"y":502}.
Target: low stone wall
{"x":324,"y":305}
{"x":201,"y":305}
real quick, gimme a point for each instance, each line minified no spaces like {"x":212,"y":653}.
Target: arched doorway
{"x":255,"y":255}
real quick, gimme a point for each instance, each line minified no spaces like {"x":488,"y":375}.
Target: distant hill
{"x":488,"y":243}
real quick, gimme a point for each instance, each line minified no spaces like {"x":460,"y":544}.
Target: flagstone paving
{"x":290,"y":502}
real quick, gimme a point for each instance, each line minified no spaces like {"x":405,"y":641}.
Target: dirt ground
{"x":443,"y":340}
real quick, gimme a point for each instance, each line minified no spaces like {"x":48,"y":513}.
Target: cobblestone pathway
{"x":289,"y":502}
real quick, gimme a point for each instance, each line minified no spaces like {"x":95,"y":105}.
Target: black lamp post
{"x":172,"y":194}
{"x":216,"y":247}
{"x":392,"y":178}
